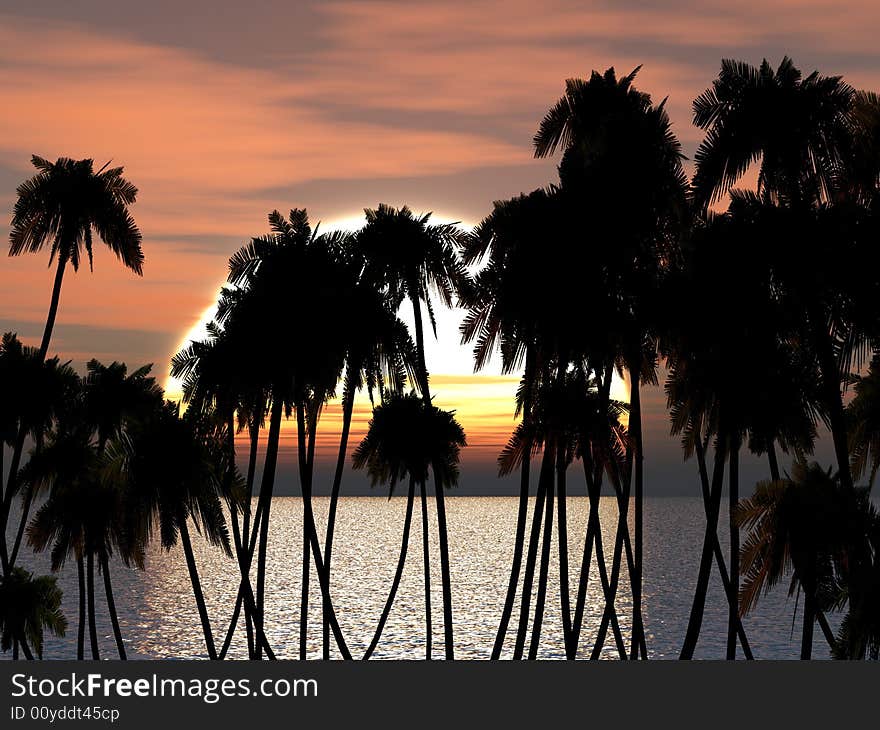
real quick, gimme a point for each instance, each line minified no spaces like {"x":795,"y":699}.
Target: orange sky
{"x":221,"y":111}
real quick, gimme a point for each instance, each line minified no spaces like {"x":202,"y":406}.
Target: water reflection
{"x":159,"y":619}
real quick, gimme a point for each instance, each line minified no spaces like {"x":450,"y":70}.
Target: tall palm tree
{"x":63,"y":207}
{"x":615,"y":139}
{"x":217,"y":380}
{"x":299,"y":373}
{"x":713,"y":400}
{"x":411,"y":258}
{"x":379,"y":355}
{"x":29,"y":606}
{"x":407,"y":437}
{"x":805,"y":131}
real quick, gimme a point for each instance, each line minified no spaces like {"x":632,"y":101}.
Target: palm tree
{"x":63,"y":206}
{"x":713,"y":400}
{"x":215,"y":374}
{"x":299,"y":373}
{"x":34,"y":392}
{"x":173,"y":468}
{"x":808,"y":134}
{"x":407,"y":437}
{"x":411,"y":258}
{"x":614,"y":139}
{"x":29,"y":606}
{"x":802,"y":526}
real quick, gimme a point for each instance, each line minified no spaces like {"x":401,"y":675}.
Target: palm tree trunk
{"x":543,"y":573}
{"x":622,"y":546}
{"x":593,"y":540}
{"x":11,"y":491}
{"x":426,"y":554}
{"x":304,"y":597}
{"x":265,"y":503}
{"x":347,"y":411}
{"x":81,"y":624}
{"x":307,"y":464}
{"x":830,"y":384}
{"x":733,"y":594}
{"x":772,"y":461}
{"x":90,"y":592}
{"x":522,"y":515}
{"x":532,"y":555}
{"x":809,"y":620}
{"x":401,"y":561}
{"x":695,"y":621}
{"x":732,"y":597}
{"x":562,"y":519}
{"x":53,"y":306}
{"x":111,"y":606}
{"x":196,"y":585}
{"x":635,"y":429}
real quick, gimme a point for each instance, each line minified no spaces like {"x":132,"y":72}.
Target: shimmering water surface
{"x":159,"y":618}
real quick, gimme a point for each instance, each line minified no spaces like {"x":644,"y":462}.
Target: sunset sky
{"x":222,"y":111}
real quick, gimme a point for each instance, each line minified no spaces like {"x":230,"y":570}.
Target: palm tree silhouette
{"x":801,"y":526}
{"x":29,"y":606}
{"x":614,"y":139}
{"x":215,"y":374}
{"x":411,"y":258}
{"x":712,"y":400}
{"x":379,"y":356}
{"x":407,"y":437}
{"x":300,"y":379}
{"x":174,"y":468}
{"x":805,"y":131}
{"x":34,"y":391}
{"x":62,"y":207}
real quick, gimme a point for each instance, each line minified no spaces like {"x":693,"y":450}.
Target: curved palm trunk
{"x":622,"y":546}
{"x":772,"y":461}
{"x":426,"y":556}
{"x":445,"y":573}
{"x":81,"y":623}
{"x":532,"y":555}
{"x":111,"y":606}
{"x":264,"y":506}
{"x":543,"y":573}
{"x":733,"y":594}
{"x":562,"y":519}
{"x":830,"y":383}
{"x":401,"y":561}
{"x":306,"y":472}
{"x":522,"y":515}
{"x":90,"y":592}
{"x":594,"y":538}
{"x":710,"y":537}
{"x":732,"y":597}
{"x":196,"y":586}
{"x":304,"y":598}
{"x":347,"y":411}
{"x":635,"y":429}
{"x":11,"y":491}
{"x":809,"y":620}
{"x":53,"y":306}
